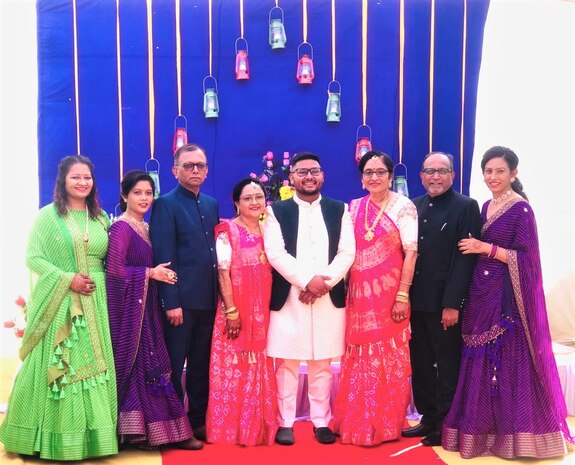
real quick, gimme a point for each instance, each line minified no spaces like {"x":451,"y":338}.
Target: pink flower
{"x":19,"y":332}
{"x":9,"y":324}
{"x":269,"y":156}
{"x":264,"y":178}
{"x":20,"y":301}
{"x":253,"y":175}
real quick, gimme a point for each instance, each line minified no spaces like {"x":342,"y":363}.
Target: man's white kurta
{"x":299,"y":331}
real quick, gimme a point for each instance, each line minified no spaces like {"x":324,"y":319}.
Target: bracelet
{"x":407,"y":284}
{"x":230,"y":309}
{"x":402,"y":294}
{"x":232,"y":316}
{"x":401,"y":299}
{"x":493,"y":251}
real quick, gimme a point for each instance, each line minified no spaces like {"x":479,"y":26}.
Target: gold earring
{"x":512,"y":180}
{"x":237,"y":210}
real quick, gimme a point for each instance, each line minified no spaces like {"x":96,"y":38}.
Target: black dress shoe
{"x":190,"y":444}
{"x":433,"y":439}
{"x":284,"y":436}
{"x":200,"y":432}
{"x":324,"y":435}
{"x":418,"y":430}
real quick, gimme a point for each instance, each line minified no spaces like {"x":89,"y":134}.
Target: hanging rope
{"x":463,"y":70}
{"x":210,"y":33}
{"x":333,"y":40}
{"x":152,"y":103}
{"x":76,"y":90}
{"x":364,"y":59}
{"x":304,"y":26}
{"x":431,"y":72}
{"x":119,"y":77}
{"x":401,"y":65}
{"x":179,"y":57}
{"x":242,"y":19}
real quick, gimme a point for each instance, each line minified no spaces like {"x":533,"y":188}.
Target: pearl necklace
{"x":498,"y":200}
{"x":368,"y":236}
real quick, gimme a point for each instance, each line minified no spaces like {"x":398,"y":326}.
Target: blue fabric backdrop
{"x":270,"y":111}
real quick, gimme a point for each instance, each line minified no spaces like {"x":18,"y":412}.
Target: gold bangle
{"x":401,"y":299}
{"x":403,"y":294}
{"x":230,"y":309}
{"x":232,"y":316}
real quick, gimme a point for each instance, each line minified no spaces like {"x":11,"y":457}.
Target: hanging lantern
{"x":278,"y":37}
{"x":333,"y":108}
{"x":155,"y":175}
{"x":304,"y":73}
{"x":211,"y":105}
{"x":180,"y":132}
{"x":363,"y":144}
{"x":400,"y":181}
{"x":242,"y":62}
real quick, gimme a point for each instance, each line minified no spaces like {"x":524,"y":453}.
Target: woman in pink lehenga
{"x":242,"y":406}
{"x":374,"y":388}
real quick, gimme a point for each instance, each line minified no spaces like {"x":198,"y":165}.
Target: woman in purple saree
{"x":509,"y":401}
{"x":150,"y":412}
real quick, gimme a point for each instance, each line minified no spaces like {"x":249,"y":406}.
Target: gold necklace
{"x":139,"y":223}
{"x":86,"y":236}
{"x":505,"y":196}
{"x":250,"y":231}
{"x":368,"y":236}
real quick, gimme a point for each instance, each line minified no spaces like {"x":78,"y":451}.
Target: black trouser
{"x":191,"y":343}
{"x":435,"y":358}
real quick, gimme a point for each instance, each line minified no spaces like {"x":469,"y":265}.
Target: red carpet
{"x":306,"y":450}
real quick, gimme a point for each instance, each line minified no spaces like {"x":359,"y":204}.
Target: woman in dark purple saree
{"x":509,"y":401}
{"x":150,"y":412}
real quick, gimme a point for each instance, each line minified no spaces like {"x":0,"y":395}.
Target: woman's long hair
{"x":512,"y":161}
{"x":61,"y":196}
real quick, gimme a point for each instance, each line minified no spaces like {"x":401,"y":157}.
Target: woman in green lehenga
{"x":63,"y":403}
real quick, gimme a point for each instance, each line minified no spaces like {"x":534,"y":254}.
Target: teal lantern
{"x":333,"y":108}
{"x":277,"y":37}
{"x":400,"y":181}
{"x":211,"y":105}
{"x":155,"y":175}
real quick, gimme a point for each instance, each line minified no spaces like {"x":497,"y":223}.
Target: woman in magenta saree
{"x":508,"y":401}
{"x":242,"y":405}
{"x":374,"y":390}
{"x":150,"y":412}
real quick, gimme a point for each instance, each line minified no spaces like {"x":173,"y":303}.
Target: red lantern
{"x":305,"y":72}
{"x":242,"y":62}
{"x":180,"y":133}
{"x":363,"y":144}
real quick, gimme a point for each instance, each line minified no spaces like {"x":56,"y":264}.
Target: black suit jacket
{"x":182,"y":232}
{"x":442,"y":273}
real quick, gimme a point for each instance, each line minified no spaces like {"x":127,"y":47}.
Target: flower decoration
{"x":18,"y":321}
{"x":275,"y":177}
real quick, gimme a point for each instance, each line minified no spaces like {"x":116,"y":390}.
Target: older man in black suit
{"x":440,"y":285}
{"x":182,"y":232}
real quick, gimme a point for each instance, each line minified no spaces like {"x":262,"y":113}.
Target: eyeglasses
{"x":432,"y":171}
{"x":302,"y":172}
{"x":191,"y":166}
{"x":250,"y":198}
{"x":380,"y":173}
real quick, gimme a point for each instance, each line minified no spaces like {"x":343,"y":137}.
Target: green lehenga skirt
{"x":71,"y":416}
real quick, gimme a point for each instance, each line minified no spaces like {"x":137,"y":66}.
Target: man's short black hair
{"x":304,"y":156}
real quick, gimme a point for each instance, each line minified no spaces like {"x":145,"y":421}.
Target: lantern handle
{"x":236,"y":44}
{"x":148,"y":161}
{"x":338,"y":85}
{"x":404,"y":167}
{"x":204,"y":83}
{"x":310,"y":47}
{"x":276,"y":8}
{"x":363,"y":126}
{"x":185,"y":126}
